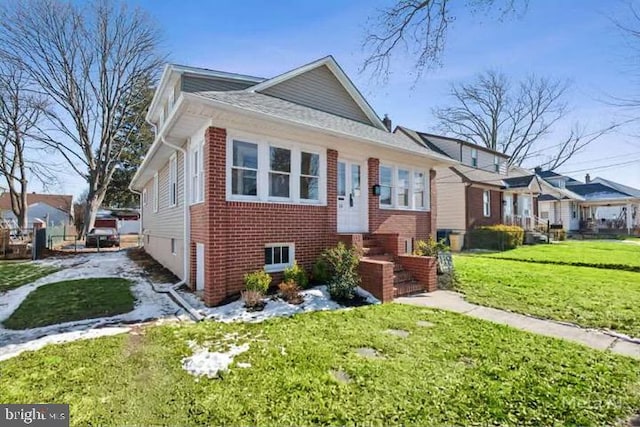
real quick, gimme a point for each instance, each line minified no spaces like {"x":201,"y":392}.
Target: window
{"x":474,"y":157}
{"x":408,"y":246}
{"x":386,"y":185}
{"x":403,"y":188}
{"x":173,"y":180}
{"x":266,"y":171}
{"x":419,"y":190}
{"x":496,"y":163}
{"x":486,"y":202}
{"x":144,"y":197}
{"x":278,"y":256}
{"x":173,"y":246}
{"x":244,"y":169}
{"x":156,"y":193}
{"x":309,"y":176}
{"x":197,"y":173}
{"x":279,"y":172}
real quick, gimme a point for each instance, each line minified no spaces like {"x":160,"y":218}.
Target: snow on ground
{"x":210,"y":364}
{"x":149,"y":304}
{"x":315,"y":299}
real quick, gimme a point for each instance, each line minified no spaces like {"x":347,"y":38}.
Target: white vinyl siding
{"x":197,"y":173}
{"x":399,"y":188}
{"x":268,"y":170}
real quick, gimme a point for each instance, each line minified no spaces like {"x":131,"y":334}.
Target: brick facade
{"x":407,"y":224}
{"x":475,"y":212}
{"x":235,"y":233}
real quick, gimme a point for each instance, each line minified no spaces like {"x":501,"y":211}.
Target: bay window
{"x":403,"y":188}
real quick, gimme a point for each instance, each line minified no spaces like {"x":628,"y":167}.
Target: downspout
{"x":185,"y":259}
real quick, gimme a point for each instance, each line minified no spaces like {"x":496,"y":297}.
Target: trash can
{"x":456,"y":241}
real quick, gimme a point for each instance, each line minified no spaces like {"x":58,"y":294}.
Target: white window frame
{"x":474,"y":157}
{"x":156,"y":192}
{"x":425,"y":187}
{"x":174,"y":247}
{"x":196,"y":159}
{"x":412,"y":188}
{"x":393,"y":189}
{"x":264,"y":166}
{"x":308,"y":176}
{"x":173,"y":180}
{"x":289,"y":174}
{"x":275,"y":268}
{"x":408,"y":187}
{"x":496,"y":163}
{"x":486,"y":203}
{"x":144,"y":197}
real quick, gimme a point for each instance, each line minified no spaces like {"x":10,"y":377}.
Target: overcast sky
{"x":563,"y":39}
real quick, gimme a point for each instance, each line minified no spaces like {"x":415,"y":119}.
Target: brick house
{"x":482,"y":189}
{"x":248,"y":173}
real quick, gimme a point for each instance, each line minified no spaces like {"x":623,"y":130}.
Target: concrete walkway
{"x":453,"y":301}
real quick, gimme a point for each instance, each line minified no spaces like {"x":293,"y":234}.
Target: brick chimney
{"x":587,"y":179}
{"x":387,"y":122}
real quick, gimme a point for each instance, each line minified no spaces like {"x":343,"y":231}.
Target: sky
{"x":574,"y":40}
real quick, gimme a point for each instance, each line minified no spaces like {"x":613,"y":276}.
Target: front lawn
{"x":615,"y":255}
{"x":17,"y":273}
{"x":72,"y":300}
{"x":586,"y":296}
{"x":459,"y":371}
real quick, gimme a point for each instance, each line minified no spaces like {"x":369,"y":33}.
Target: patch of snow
{"x":12,"y":350}
{"x":368,"y":297}
{"x":150,"y":305}
{"x":315,"y":299}
{"x":210,"y":364}
{"x":244,"y":365}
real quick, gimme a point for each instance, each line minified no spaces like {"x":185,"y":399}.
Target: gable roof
{"x":419,"y":139}
{"x":437,"y":138}
{"x":553,"y":175}
{"x":330,"y":63}
{"x":598,"y":191}
{"x":518,"y":181}
{"x":297,"y":114}
{"x":618,"y":187}
{"x":62,"y":202}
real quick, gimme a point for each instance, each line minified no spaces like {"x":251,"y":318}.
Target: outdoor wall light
{"x":376,"y":190}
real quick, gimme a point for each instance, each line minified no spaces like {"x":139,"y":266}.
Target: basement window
{"x":278,"y":256}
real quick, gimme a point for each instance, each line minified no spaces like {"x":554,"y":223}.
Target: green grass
{"x":17,"y":273}
{"x":462,"y":371}
{"x":613,"y":255}
{"x":586,"y":296}
{"x":72,"y":300}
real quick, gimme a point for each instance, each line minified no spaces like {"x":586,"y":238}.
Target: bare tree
{"x":419,"y":28}
{"x":91,"y":60}
{"x":513,"y":119}
{"x":21,"y":112}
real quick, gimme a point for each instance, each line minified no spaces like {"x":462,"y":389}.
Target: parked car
{"x":105,"y":237}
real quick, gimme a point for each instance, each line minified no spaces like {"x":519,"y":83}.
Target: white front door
{"x":352,"y":197}
{"x":199,"y":267}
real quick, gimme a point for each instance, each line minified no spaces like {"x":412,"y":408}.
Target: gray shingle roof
{"x":518,"y":182}
{"x":285,"y":110}
{"x":487,"y":177}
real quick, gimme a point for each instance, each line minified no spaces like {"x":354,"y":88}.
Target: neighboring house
{"x":52,"y":209}
{"x":597,"y":205}
{"x":482,"y":189}
{"x":249,"y":173}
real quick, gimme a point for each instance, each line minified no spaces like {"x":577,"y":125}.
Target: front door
{"x":351,"y":197}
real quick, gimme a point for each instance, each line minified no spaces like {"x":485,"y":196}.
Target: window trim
{"x":197,"y":191}
{"x":394,"y":188}
{"x":144,"y":197}
{"x":231,"y":167}
{"x":173,"y":180}
{"x":276,"y":268}
{"x":301,"y":175}
{"x":474,"y":157}
{"x":156,"y":192}
{"x":264,"y":143}
{"x":496,"y":163}
{"x":486,"y":204}
{"x":174,"y":247}
{"x":271,"y":171}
